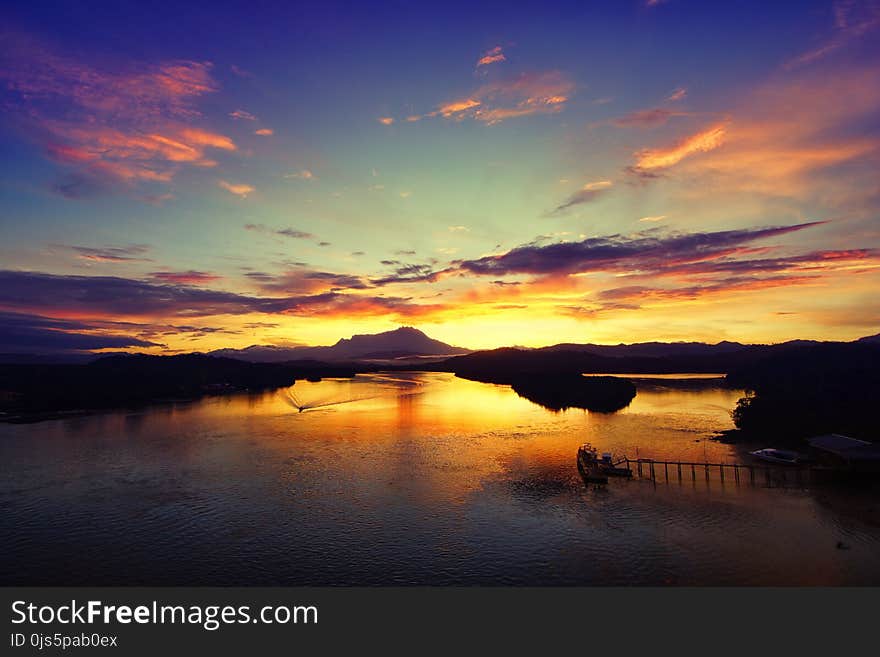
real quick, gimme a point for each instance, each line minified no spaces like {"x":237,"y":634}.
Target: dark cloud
{"x":642,"y":252}
{"x":302,"y":280}
{"x":130,"y":253}
{"x":81,"y":186}
{"x":292,"y":233}
{"x":586,"y":194}
{"x":23,"y":333}
{"x":116,"y":298}
{"x":122,"y":296}
{"x":407,"y":273}
{"x":190,"y":277}
{"x":648,"y":118}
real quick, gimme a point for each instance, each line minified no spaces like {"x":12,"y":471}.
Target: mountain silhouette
{"x":402,"y":343}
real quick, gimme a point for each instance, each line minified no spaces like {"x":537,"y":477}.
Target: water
{"x":419,"y":479}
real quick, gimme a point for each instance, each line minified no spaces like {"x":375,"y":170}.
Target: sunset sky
{"x":182,"y":178}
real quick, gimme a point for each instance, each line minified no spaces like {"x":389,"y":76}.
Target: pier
{"x":735,"y":473}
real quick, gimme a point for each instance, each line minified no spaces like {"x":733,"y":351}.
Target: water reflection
{"x":415,"y":478}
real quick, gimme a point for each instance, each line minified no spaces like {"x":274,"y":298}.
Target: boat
{"x":779,"y":456}
{"x":607,"y":466}
{"x":588,"y":465}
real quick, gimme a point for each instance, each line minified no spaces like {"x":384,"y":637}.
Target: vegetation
{"x":118,"y":381}
{"x":803,"y":392}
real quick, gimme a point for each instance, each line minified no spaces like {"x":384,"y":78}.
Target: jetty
{"x":736,"y":473}
{"x":597,"y":471}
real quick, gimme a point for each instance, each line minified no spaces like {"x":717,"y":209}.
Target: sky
{"x":185,"y":178}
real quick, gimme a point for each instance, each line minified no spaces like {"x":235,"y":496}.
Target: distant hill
{"x":830,"y":387}
{"x":875,"y":339}
{"x":652,"y":349}
{"x":404,"y":342}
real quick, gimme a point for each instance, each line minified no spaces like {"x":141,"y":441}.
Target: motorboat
{"x":779,"y":456}
{"x":588,"y":465}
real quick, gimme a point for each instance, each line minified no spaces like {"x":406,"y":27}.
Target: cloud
{"x":301,"y":280}
{"x":264,"y":132}
{"x":283,"y":232}
{"x":677,"y":94}
{"x":523,"y":95}
{"x":852,"y":21}
{"x":305,"y":174}
{"x":242,"y":115}
{"x":103,"y":154}
{"x":791,"y":135}
{"x":239,"y":71}
{"x":457,"y":106}
{"x":239,"y":189}
{"x":25,"y":333}
{"x":191,"y":277}
{"x":658,"y":217}
{"x":648,"y":118}
{"x":114,"y":254}
{"x":99,"y":297}
{"x":407,"y":273}
{"x":385,"y":120}
{"x":492,"y":56}
{"x":624,"y":254}
{"x":459,"y":229}
{"x":589,"y":192}
{"x":630,"y":296}
{"x":110,"y":125}
{"x":701,"y":142}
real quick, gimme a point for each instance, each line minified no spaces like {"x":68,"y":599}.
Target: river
{"x":404,"y":479}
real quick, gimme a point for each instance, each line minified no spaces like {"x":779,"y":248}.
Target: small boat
{"x":607,"y":466}
{"x":588,"y":465}
{"x":780,"y":456}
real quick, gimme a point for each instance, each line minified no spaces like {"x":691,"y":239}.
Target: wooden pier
{"x":736,"y":473}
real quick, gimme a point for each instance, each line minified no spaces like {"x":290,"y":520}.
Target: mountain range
{"x":408,"y":346}
{"x":397,"y":345}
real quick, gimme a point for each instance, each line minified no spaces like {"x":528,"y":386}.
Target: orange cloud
{"x":789,"y":133}
{"x":305,"y":174}
{"x":491,"y":57}
{"x":386,"y":120}
{"x":704,"y":141}
{"x":239,"y":189}
{"x":456,"y":107}
{"x":126,"y":123}
{"x":264,"y":132}
{"x":523,"y":95}
{"x":133,"y":156}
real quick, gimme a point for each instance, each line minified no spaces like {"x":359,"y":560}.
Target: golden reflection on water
{"x":407,"y":478}
{"x":453,"y":434}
